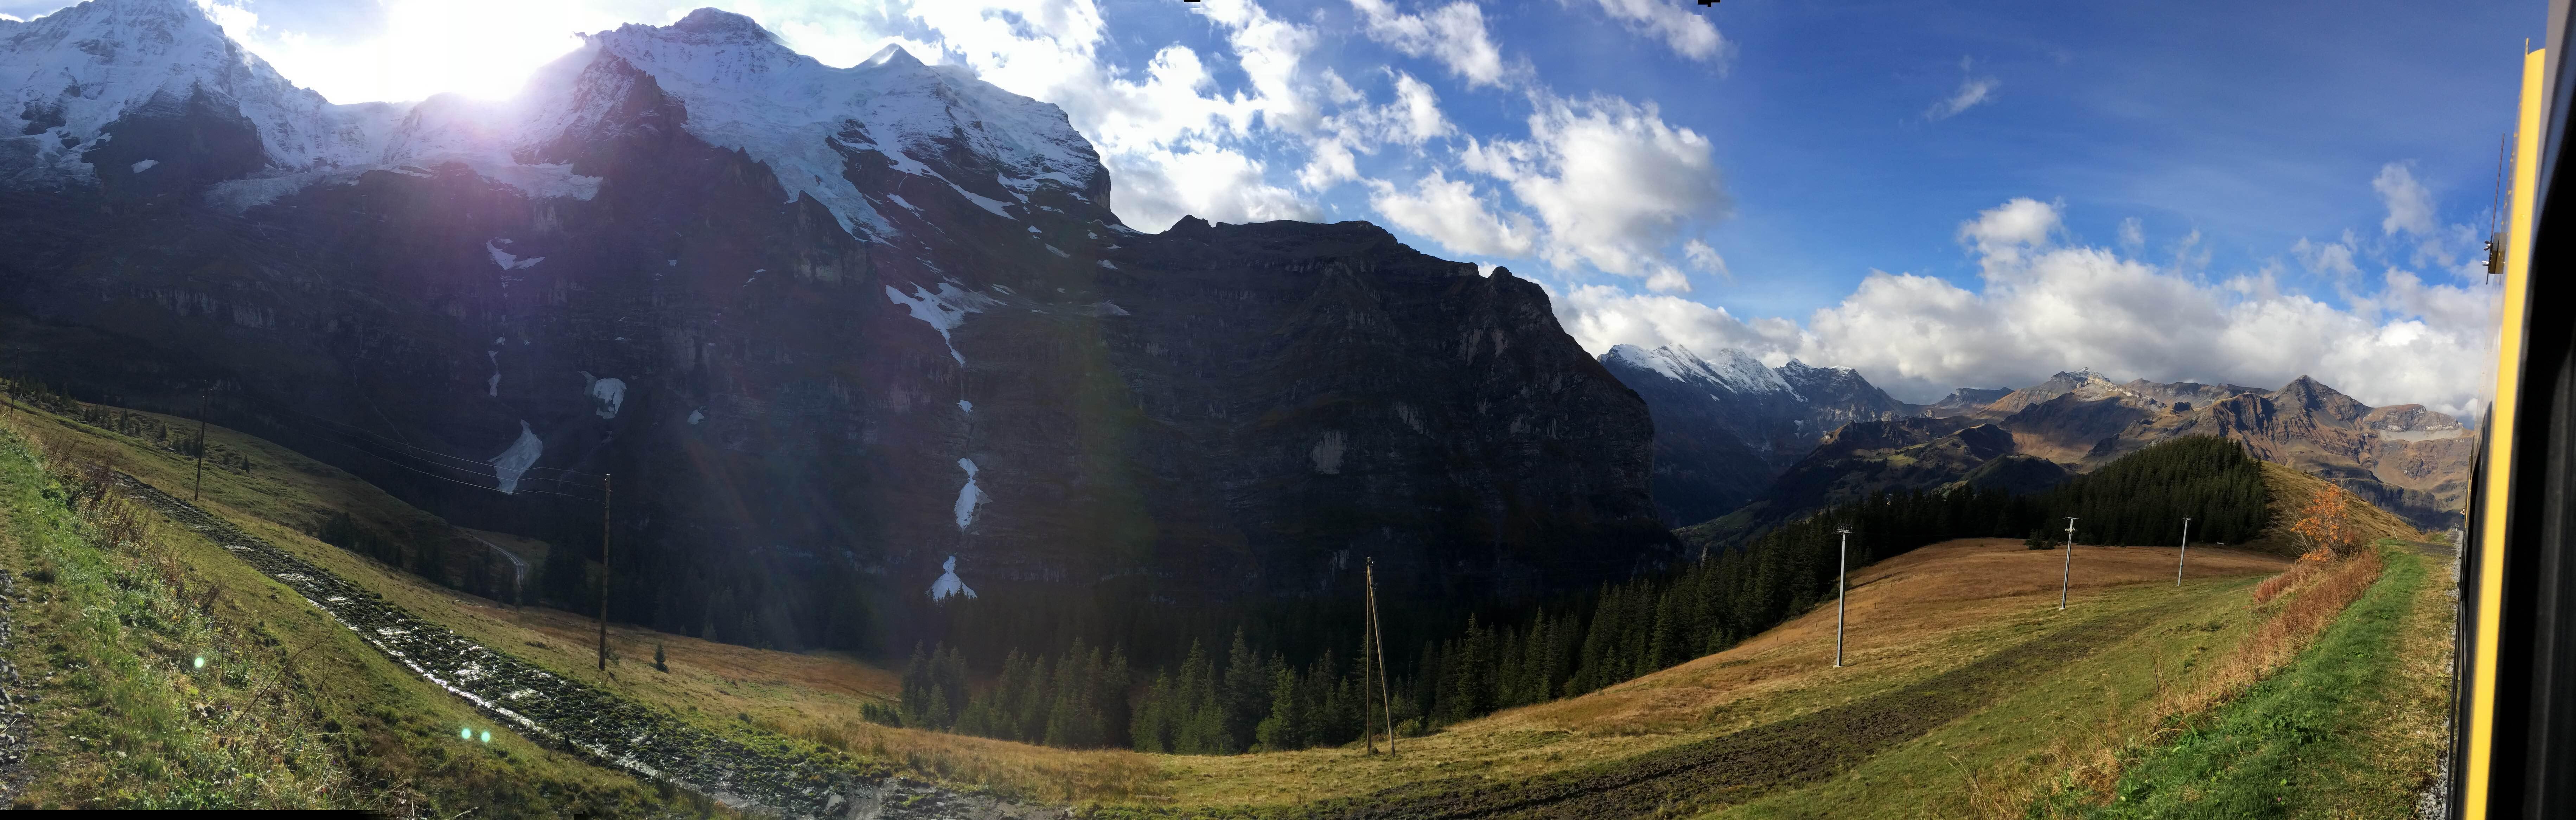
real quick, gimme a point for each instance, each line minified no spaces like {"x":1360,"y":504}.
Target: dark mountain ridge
{"x":835,"y":355}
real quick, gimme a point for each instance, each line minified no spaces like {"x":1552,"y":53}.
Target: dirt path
{"x":1738,"y":766}
{"x":607,"y":727}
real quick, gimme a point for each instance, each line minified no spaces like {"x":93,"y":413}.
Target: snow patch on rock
{"x":514,"y":462}
{"x":1327,"y":453}
{"x":949,"y":584}
{"x":944,"y":310}
{"x":964,"y":406}
{"x":492,"y":386}
{"x":145,"y":165}
{"x":606,"y":395}
{"x":970,"y":496}
{"x":505,"y":260}
{"x":697,"y":415}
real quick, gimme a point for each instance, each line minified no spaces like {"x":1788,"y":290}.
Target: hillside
{"x":1975,"y":619}
{"x":826,"y":327}
{"x":804,"y":704}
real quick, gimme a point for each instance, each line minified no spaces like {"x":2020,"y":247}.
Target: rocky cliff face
{"x":828,"y":328}
{"x":2408,"y":460}
{"x":1727,"y":425}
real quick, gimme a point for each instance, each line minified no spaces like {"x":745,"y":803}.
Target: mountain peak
{"x":1728,"y":369}
{"x":715,"y":22}
{"x":892,"y":55}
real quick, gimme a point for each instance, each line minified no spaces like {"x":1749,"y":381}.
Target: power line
{"x":359,"y":431}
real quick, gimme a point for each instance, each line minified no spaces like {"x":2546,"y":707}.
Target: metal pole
{"x":203,"y":397}
{"x":1842,"y":589}
{"x":604,"y":495}
{"x":2186,"y":551}
{"x":2067,"y":578}
{"x":1377,"y":636}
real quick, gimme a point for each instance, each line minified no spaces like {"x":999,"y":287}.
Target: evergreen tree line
{"x":2142,"y":498}
{"x":1253,"y":700}
{"x":1075,"y":700}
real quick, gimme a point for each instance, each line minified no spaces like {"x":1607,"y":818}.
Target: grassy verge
{"x":288,"y":711}
{"x":2329,"y":735}
{"x":759,"y":697}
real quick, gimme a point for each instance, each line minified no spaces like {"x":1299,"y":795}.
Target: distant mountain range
{"x":1740,"y":447}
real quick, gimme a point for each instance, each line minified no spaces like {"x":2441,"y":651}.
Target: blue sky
{"x":1938,"y":193}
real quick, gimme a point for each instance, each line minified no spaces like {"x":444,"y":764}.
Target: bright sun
{"x":481,"y":48}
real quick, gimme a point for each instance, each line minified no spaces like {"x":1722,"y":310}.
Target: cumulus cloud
{"x":1411,"y":119}
{"x":2329,"y":258}
{"x":1687,"y":32}
{"x":2410,"y":206}
{"x":1705,"y":258}
{"x":1974,"y":90}
{"x":1454,"y":214}
{"x":2042,"y":307}
{"x":1613,"y":183}
{"x":1453,"y":34}
{"x":1172,"y":142}
{"x":2002,"y":231}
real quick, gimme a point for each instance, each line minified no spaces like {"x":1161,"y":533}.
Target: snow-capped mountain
{"x":828,"y":327}
{"x":68,"y":77}
{"x":1726,"y":424}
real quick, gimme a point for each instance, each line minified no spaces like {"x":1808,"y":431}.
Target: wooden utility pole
{"x":2186,"y":551}
{"x":1377,"y":638}
{"x":1842,"y":589}
{"x":2068,"y":578}
{"x":604,"y":495}
{"x":203,"y":398}
{"x":1368,"y":669}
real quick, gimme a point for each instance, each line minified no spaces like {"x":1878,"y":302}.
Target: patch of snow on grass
{"x":1052,"y":249}
{"x":145,"y":165}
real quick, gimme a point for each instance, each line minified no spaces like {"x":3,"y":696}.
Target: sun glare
{"x":480,"y":48}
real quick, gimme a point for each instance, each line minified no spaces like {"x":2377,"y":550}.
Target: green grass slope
{"x":288,"y":710}
{"x":2351,"y":729}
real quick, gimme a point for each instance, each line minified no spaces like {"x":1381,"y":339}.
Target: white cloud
{"x":1454,"y":214}
{"x":1199,"y":178}
{"x":1705,"y":258}
{"x":1687,"y":32}
{"x":2330,"y":257}
{"x":1174,"y":145}
{"x":2410,"y":206}
{"x":2005,"y":229}
{"x":1412,"y":119}
{"x":2041,"y":308}
{"x":2133,"y":234}
{"x":1613,"y":183}
{"x":1974,"y":90}
{"x":1453,"y":34}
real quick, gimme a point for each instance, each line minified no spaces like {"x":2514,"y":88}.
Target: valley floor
{"x":1966,"y":692}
